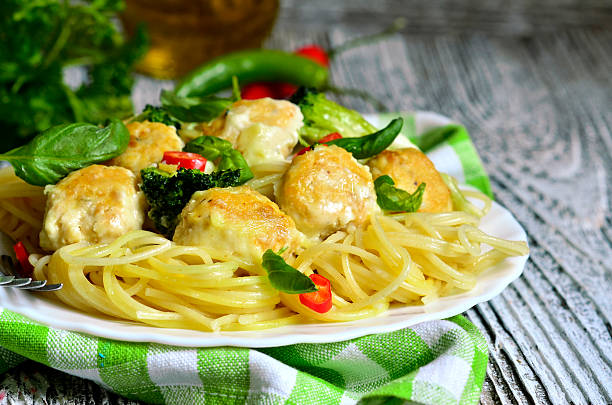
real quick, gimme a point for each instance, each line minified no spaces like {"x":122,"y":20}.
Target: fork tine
{"x":33,"y":285}
{"x":48,"y":287}
{"x":18,"y":282}
{"x":6,"y":279}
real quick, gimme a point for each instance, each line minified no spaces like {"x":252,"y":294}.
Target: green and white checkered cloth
{"x":436,"y":362}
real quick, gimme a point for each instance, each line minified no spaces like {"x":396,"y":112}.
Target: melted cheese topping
{"x":96,"y":204}
{"x":148,"y":142}
{"x":263,"y":130}
{"x":326,"y":190}
{"x":236,"y":221}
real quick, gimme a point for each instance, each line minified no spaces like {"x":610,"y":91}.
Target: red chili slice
{"x":22,"y":257}
{"x":315,"y":53}
{"x":321,"y":300}
{"x":325,"y":139}
{"x":280,"y":90}
{"x":187,"y":160}
{"x":253,"y":91}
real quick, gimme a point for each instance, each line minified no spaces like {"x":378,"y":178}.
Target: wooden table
{"x":532,"y":83}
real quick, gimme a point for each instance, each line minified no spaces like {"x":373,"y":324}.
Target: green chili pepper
{"x":252,"y":66}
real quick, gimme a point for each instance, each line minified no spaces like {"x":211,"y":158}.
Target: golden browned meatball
{"x":148,"y":142}
{"x":236,"y":221}
{"x":325,"y":190}
{"x":96,"y":204}
{"x":410,"y":167}
{"x":262,"y":130}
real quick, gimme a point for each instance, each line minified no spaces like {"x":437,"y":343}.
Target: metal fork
{"x":8,"y":264}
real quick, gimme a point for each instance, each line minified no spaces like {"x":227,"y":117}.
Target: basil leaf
{"x":59,"y":150}
{"x":233,"y":160}
{"x":370,"y":145}
{"x":194,"y":109}
{"x":157,"y":114}
{"x":284,"y":277}
{"x":391,"y":198}
{"x":211,"y":147}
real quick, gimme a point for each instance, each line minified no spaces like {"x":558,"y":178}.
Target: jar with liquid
{"x":186,"y":33}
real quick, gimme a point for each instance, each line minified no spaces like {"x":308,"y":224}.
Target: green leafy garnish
{"x":194,"y":109}
{"x":370,"y":145}
{"x":391,"y":198}
{"x":284,"y":277}
{"x":38,"y":39}
{"x":157,"y":114}
{"x":167,"y":193}
{"x":59,"y":150}
{"x":222,"y":153}
{"x":323,"y":117}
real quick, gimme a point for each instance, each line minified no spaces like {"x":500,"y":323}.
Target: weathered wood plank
{"x":520,"y":17}
{"x":539,"y":111}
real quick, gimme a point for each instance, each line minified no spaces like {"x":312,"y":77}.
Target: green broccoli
{"x":323,"y":117}
{"x":168,"y":193}
{"x":157,"y":114}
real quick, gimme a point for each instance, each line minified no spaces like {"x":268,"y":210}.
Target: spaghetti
{"x":408,"y":258}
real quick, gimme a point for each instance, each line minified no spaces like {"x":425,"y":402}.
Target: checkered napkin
{"x":436,"y":362}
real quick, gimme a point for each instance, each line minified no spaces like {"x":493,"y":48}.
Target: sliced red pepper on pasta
{"x":321,"y":300}
{"x":22,"y":257}
{"x":188,"y":160}
{"x":325,"y":139}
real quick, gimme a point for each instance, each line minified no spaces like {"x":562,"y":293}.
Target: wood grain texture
{"x":539,"y":109}
{"x":493,"y":17}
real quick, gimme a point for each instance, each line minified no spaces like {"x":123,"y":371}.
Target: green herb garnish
{"x":59,"y":150}
{"x":284,"y":277}
{"x":391,"y":198}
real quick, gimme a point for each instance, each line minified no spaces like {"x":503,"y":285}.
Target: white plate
{"x":498,"y":222}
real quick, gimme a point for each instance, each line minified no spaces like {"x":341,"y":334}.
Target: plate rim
{"x":269,"y":337}
{"x":135,"y":332}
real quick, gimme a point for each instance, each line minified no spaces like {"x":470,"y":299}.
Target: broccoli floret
{"x":323,"y":117}
{"x":157,"y":114}
{"x":168,"y":193}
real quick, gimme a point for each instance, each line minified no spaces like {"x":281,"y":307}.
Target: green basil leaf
{"x":284,"y":277}
{"x":232,"y":160}
{"x":194,"y":109}
{"x":211,"y":147}
{"x":157,"y":114}
{"x":59,"y":150}
{"x":391,"y":198}
{"x":371,"y":145}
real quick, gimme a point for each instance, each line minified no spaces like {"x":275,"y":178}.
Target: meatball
{"x":262,"y":130}
{"x":325,"y":190}
{"x":236,"y":221}
{"x":148,"y":142}
{"x":410,"y":167}
{"x":96,"y":204}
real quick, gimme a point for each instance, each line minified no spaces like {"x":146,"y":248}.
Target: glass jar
{"x":186,"y":33}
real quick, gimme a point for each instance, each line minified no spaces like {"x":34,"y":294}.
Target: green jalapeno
{"x":252,"y":66}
